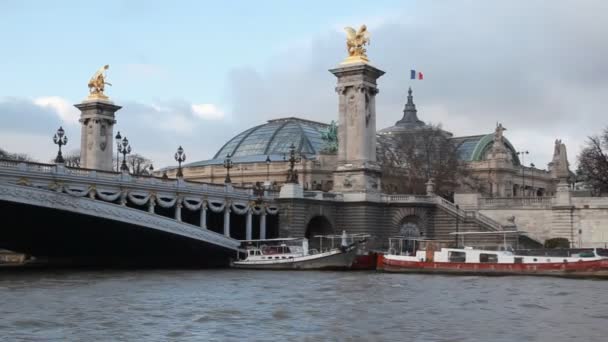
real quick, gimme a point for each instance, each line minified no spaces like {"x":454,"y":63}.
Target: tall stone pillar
{"x":97,"y":116}
{"x":357,"y":169}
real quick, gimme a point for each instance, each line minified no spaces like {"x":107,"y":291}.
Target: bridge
{"x":85,"y":216}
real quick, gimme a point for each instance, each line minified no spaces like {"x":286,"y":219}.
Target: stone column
{"x":248,"y":228}
{"x":151,"y":204}
{"x":97,"y":117}
{"x":263,"y":224}
{"x":227,"y":220}
{"x":357,"y":168}
{"x":178,"y":209}
{"x":204,"y":215}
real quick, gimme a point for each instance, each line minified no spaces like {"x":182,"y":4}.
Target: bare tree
{"x":139,"y":165}
{"x":15,"y":156}
{"x":72,"y":159}
{"x":411,"y":158}
{"x":593,"y":164}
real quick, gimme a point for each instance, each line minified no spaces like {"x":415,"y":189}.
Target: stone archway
{"x":318,"y":225}
{"x":410,"y":227}
{"x":412,"y":221}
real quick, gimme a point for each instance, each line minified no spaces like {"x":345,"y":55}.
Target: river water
{"x":236,"y":305}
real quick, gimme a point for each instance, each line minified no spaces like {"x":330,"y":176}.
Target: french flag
{"x":414,"y":75}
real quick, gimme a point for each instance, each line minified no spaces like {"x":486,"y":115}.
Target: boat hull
{"x":334,"y":261}
{"x":579,"y":269}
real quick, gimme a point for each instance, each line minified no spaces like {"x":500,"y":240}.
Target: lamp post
{"x":118,"y":141}
{"x":180,"y":157}
{"x":457,"y":221}
{"x":523,"y":178}
{"x":228,"y":165}
{"x":60,"y":139}
{"x":533,"y":191}
{"x":125,"y":149}
{"x":268,"y":161}
{"x":292,"y":174}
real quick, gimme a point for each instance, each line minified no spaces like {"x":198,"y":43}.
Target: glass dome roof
{"x":272,"y":139}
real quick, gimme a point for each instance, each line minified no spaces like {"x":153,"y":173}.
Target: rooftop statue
{"x":498,"y":137}
{"x":97,"y":83}
{"x":355,"y":42}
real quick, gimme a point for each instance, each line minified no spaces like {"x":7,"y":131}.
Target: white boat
{"x":294,"y":254}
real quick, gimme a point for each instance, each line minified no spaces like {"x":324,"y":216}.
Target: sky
{"x":196,"y":73}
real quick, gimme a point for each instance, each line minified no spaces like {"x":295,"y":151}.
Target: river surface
{"x":236,"y":305}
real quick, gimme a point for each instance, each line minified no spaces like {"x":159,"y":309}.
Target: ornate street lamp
{"x":523,"y":178}
{"x":268,"y":161}
{"x":60,"y":139}
{"x":457,"y":222}
{"x":258,"y":192}
{"x":118,"y":141}
{"x":292,"y":173}
{"x":533,"y":191}
{"x":125,"y":149}
{"x":180,"y":157}
{"x":228,"y":165}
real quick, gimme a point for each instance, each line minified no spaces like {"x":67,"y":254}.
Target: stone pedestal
{"x":97,"y":117}
{"x":357,"y":170}
{"x":562,"y":194}
{"x":291,"y":190}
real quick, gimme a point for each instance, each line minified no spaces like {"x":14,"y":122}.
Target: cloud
{"x":154,"y":130}
{"x":207,"y":111}
{"x":539,"y":69}
{"x":64,"y":109}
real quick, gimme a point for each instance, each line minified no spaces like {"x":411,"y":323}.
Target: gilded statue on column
{"x":355,"y":44}
{"x":97,"y":84}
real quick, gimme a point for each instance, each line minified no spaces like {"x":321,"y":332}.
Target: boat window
{"x":276,"y":257}
{"x":519,"y":260}
{"x":534,"y":260}
{"x":488,"y":258}
{"x":456,"y":256}
{"x":566,"y":260}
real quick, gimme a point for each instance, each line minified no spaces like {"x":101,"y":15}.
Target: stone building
{"x":259,"y":155}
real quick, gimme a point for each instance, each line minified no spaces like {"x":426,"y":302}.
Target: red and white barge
{"x":472,"y":261}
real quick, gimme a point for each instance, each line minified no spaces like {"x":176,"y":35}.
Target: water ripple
{"x":230,"y":305}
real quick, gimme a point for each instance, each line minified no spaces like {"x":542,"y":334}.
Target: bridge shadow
{"x":63,"y":238}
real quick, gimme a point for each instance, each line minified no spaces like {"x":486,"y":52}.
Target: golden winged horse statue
{"x":97,"y":83}
{"x":355,"y":43}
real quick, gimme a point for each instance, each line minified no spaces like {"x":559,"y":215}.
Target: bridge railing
{"x":109,"y":178}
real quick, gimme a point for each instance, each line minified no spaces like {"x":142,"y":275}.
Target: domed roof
{"x":474,"y":148}
{"x":272,"y":139}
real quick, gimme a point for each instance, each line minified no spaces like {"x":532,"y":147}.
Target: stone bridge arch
{"x":96,"y":220}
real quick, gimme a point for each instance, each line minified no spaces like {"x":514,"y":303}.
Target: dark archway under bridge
{"x":63,"y":238}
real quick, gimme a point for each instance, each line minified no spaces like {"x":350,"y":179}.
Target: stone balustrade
{"x":485,"y":202}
